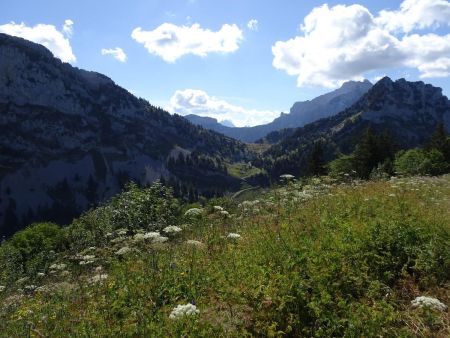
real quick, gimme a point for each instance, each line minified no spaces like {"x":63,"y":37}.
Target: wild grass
{"x":314,"y":260}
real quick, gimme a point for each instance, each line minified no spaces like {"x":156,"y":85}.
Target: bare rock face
{"x":70,"y":138}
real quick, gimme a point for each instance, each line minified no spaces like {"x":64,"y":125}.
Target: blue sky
{"x":251,"y":72}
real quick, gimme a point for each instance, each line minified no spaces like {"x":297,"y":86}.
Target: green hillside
{"x":307,"y":259}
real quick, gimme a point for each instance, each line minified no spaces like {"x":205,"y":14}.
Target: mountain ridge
{"x":301,"y":113}
{"x":71,"y":136}
{"x":409,"y":111}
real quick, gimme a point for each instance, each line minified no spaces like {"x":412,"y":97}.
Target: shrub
{"x":420,"y":162}
{"x":38,"y":237}
{"x":342,"y":166}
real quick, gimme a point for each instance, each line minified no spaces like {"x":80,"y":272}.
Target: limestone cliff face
{"x":70,"y":138}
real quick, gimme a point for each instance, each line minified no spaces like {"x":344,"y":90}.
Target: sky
{"x":244,"y":61}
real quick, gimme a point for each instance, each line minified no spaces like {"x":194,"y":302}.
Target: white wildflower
{"x":117,"y":240}
{"x":160,"y":239}
{"x":40,"y":274}
{"x":287,"y":176}
{"x":98,"y":278}
{"x":218,"y":208}
{"x":183,"y":310}
{"x":123,"y":251}
{"x":224,"y":213}
{"x":172,"y":229}
{"x":2,"y":288}
{"x":152,"y":235}
{"x":193,"y":212}
{"x":432,"y":303}
{"x":193,"y":242}
{"x":139,"y":237}
{"x":86,"y":262}
{"x":30,"y":287}
{"x":60,"y":266}
{"x":121,"y":232}
{"x":233,"y":235}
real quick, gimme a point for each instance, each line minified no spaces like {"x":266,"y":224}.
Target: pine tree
{"x":366,"y":154}
{"x":315,"y":160}
{"x":440,"y":141}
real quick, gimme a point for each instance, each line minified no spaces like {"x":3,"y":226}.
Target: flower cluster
{"x":98,"y":278}
{"x":233,"y":235}
{"x":172,"y":229}
{"x":193,"y":242}
{"x":429,"y":302}
{"x":183,"y":310}
{"x":123,"y":251}
{"x":193,"y":212}
{"x":60,"y":266}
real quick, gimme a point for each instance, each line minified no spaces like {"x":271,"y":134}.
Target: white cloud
{"x":198,"y":102}
{"x":171,"y":42}
{"x":416,"y":14}
{"x":68,"y":27}
{"x":117,"y":53}
{"x":345,"y":42}
{"x":252,"y":25}
{"x":46,"y":35}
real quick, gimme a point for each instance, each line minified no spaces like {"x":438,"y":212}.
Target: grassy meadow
{"x":314,"y":258}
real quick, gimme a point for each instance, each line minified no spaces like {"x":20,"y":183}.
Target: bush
{"x":150,"y":208}
{"x":38,"y":237}
{"x":342,"y":167}
{"x":28,"y":251}
{"x":420,"y":162}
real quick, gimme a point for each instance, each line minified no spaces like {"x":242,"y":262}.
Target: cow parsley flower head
{"x":183,"y":310}
{"x":60,"y":266}
{"x":287,"y":177}
{"x":139,"y":237}
{"x":193,"y":212}
{"x":224,"y":213}
{"x":151,"y":235}
{"x":98,"y":278}
{"x":160,"y":239}
{"x":233,"y":235}
{"x":123,"y":251}
{"x":218,"y":208}
{"x":121,"y":232}
{"x":86,"y":262}
{"x":193,"y":242}
{"x":430,"y":302}
{"x":172,"y":229}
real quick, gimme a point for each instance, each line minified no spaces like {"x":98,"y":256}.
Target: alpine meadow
{"x":154,"y":182}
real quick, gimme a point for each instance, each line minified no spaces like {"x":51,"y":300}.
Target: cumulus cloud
{"x":171,"y":42}
{"x":68,"y":27}
{"x":344,"y":42}
{"x":46,"y":35}
{"x":416,"y":14}
{"x":252,"y":25}
{"x":117,"y":53}
{"x":198,"y":102}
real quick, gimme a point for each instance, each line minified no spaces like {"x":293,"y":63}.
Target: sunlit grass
{"x":322,"y":259}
